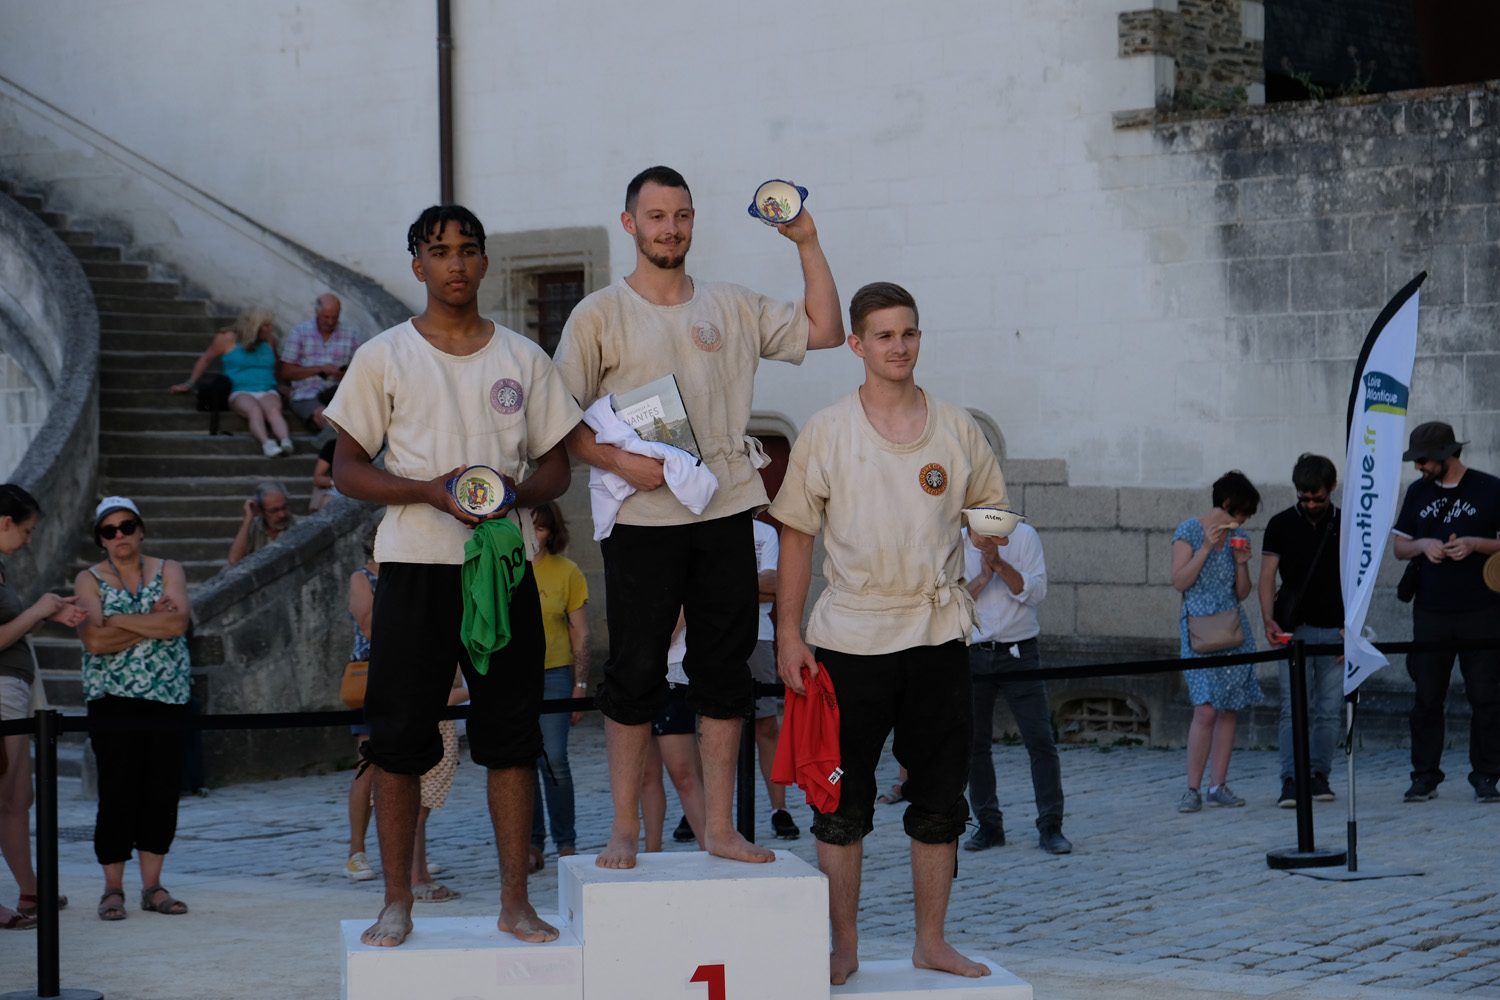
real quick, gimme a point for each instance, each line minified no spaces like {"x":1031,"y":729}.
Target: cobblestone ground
{"x":1146,"y":890}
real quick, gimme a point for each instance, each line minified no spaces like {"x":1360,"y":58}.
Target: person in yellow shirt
{"x":564,"y":593}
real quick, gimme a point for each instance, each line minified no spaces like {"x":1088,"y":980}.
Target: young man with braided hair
{"x":441,"y":391}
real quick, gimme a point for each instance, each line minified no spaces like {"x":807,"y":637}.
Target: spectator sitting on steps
{"x":247,"y":352}
{"x":316,"y":353}
{"x":267,"y":515}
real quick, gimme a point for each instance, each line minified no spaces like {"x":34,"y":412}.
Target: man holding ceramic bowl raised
{"x":659,"y":321}
{"x":472,"y":417}
{"x":887,"y":474}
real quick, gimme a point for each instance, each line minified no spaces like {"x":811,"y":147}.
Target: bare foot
{"x":944,"y":958}
{"x":731,"y":845}
{"x":619,"y":852}
{"x":842,"y":964}
{"x":391,"y":927}
{"x":521,"y":920}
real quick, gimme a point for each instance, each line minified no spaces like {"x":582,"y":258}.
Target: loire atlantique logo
{"x":1384,"y":395}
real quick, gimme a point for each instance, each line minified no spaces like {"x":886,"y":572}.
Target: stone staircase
{"x":154,"y":447}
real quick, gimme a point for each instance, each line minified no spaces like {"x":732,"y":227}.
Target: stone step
{"x":150,"y":307}
{"x":136,"y":288}
{"x":30,"y":202}
{"x":149,"y":342}
{"x":65,"y":691}
{"x":159,"y":323}
{"x":184,"y":550}
{"x":99,"y":252}
{"x":196,"y":570}
{"x":165,"y":515}
{"x":149,"y":419}
{"x":166,"y":488}
{"x":140,"y":380}
{"x":166,"y":444}
{"x":202,"y":466}
{"x":52,"y":220}
{"x":76,"y":237}
{"x":173,"y":361}
{"x":157,"y":397}
{"x":115,"y":270}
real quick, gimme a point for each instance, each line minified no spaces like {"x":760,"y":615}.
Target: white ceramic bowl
{"x":480,"y":491}
{"x":997,"y":522}
{"x":777,"y":201}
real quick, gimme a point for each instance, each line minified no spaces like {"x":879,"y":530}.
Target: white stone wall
{"x":1070,"y":276}
{"x":22,"y":412}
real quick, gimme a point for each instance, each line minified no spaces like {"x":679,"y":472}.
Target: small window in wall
{"x":557,"y":292}
{"x":1103,"y":719}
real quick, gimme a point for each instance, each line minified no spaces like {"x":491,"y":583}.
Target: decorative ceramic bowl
{"x":480,"y":491}
{"x":1239,"y":543}
{"x":777,"y":201}
{"x":996,"y":522}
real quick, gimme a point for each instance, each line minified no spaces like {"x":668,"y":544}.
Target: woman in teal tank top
{"x":247,"y":353}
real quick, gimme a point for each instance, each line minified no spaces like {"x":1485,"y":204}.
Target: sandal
{"x":891,"y":797}
{"x":27,"y":906}
{"x":434,"y":892}
{"x":171,"y":907}
{"x":112,"y":911}
{"x":13,"y":921}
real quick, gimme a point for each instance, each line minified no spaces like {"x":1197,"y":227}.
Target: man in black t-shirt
{"x":1303,"y":543}
{"x":1451,"y":519}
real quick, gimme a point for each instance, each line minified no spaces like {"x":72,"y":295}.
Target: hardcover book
{"x":655,"y":412}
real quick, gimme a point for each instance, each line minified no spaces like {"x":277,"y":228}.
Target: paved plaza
{"x":1151,"y":905}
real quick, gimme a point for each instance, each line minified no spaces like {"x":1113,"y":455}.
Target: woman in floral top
{"x":136,"y":663}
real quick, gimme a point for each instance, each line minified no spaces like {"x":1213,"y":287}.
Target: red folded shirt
{"x":807,"y":753}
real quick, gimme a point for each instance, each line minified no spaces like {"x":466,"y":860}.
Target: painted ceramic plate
{"x":777,"y":201}
{"x":480,"y":491}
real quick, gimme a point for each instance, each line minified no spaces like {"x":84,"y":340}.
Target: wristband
{"x":189,"y":383}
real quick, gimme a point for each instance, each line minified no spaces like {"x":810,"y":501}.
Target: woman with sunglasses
{"x":19,"y":514}
{"x":135,"y":664}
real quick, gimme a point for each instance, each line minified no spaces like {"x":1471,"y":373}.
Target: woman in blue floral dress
{"x":135,"y":663}
{"x":1210,"y":568}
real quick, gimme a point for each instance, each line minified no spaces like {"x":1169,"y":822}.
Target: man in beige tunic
{"x":660,"y":556}
{"x":884,"y":474}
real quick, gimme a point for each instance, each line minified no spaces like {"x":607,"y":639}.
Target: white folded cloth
{"x":690,"y":481}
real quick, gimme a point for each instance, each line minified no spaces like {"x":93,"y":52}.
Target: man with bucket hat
{"x":1450,"y":521}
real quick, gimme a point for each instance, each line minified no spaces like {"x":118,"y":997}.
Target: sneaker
{"x":1288,"y":799}
{"x":782,"y":825}
{"x":985,"y":837}
{"x":358,"y":867}
{"x":684,"y":832}
{"x":1484,"y":788}
{"x":270,"y":448}
{"x":1321,"y":791}
{"x":1420,"y":791}
{"x":1222,"y":796}
{"x":287,"y":447}
{"x":1191,"y":801}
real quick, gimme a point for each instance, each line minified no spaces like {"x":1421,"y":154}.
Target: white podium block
{"x":898,"y":980}
{"x":462,"y":958}
{"x":693,"y":926}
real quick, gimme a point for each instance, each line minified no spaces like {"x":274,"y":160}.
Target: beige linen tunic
{"x":891,"y":524}
{"x":616,"y":341}
{"x":502,"y":406}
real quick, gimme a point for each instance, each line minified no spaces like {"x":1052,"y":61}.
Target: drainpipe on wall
{"x":445,"y":101}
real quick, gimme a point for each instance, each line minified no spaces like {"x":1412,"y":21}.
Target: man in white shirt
{"x":661,"y":557}
{"x":883,"y":475}
{"x":1007,"y":590}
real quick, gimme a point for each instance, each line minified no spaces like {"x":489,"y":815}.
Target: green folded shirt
{"x":494,"y":563}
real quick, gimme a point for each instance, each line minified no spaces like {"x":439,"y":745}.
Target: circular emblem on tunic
{"x":934,"y":478}
{"x":506,"y":395}
{"x":707,"y":336}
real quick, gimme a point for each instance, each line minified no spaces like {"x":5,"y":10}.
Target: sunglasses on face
{"x":127,"y":529}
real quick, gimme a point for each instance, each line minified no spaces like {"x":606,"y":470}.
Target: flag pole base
{"x":60,"y":995}
{"x":1318,"y":857}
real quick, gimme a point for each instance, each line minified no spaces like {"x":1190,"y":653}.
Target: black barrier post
{"x":745,"y":783}
{"x":48,"y":965}
{"x":1306,"y":855}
